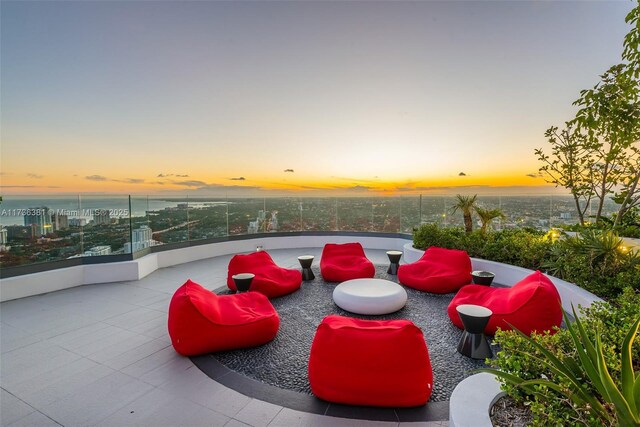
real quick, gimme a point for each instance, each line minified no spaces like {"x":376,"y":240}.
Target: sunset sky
{"x":271,"y":97}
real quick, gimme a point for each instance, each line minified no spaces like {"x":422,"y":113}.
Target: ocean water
{"x":13,"y":209}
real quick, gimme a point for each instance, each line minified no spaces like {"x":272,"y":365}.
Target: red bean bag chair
{"x":532,"y":304}
{"x":270,"y":280}
{"x":202,"y":322}
{"x":439,"y":271}
{"x":340,"y":262}
{"x":370,"y":362}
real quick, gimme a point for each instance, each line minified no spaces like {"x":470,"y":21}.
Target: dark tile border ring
{"x":431,"y":411}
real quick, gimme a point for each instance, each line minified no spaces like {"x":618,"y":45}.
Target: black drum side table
{"x":473,"y":343}
{"x":394,"y":261}
{"x":243,"y":281}
{"x":482,"y":277}
{"x":305,"y":263}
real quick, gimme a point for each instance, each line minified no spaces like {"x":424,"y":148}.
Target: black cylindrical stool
{"x":473,"y":343}
{"x":482,"y":277}
{"x":243,"y":281}
{"x":394,"y":261}
{"x":305,"y":263}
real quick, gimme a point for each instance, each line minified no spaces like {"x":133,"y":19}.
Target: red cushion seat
{"x":202,"y":322}
{"x":341,"y":262}
{"x":270,"y":280}
{"x":439,"y":270}
{"x":370,"y":362}
{"x":532,"y":304}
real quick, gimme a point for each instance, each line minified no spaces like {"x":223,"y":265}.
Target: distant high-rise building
{"x":3,"y":237}
{"x":273,"y":226}
{"x":20,"y":231}
{"x":101,"y":216}
{"x":253,"y":227}
{"x":77,"y":222}
{"x":142,"y":238}
{"x":565,"y":215}
{"x":60,"y":222}
{"x":98,"y":250}
{"x":262,"y":224}
{"x":40,"y":219}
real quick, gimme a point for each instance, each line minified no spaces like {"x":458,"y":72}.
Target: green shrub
{"x":520,"y":358}
{"x":593,"y":260}
{"x":432,"y":235}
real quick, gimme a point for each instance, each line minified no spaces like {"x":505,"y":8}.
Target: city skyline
{"x":340,"y":98}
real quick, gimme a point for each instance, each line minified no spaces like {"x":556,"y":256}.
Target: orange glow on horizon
{"x":221,"y":186}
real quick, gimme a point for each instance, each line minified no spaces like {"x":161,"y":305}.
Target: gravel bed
{"x":283,"y":362}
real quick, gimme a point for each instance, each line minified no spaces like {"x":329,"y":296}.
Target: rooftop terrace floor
{"x":100,"y":355}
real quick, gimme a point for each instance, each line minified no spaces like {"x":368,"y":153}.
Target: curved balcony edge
{"x":105,"y":269}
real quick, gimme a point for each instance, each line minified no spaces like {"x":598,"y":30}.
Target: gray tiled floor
{"x":99,"y":355}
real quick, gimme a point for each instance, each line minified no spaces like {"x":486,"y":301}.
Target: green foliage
{"x":628,"y":225}
{"x":594,"y":260}
{"x":522,"y":247}
{"x":631,"y":52}
{"x":487,"y":216}
{"x":597,"y":155}
{"x":432,"y":235}
{"x":569,"y":165}
{"x":560,"y":375}
{"x":466,"y":204}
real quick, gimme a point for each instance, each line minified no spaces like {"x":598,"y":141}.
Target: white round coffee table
{"x":370,"y":296}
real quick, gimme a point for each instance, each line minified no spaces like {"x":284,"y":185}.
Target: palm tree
{"x":487,"y":215}
{"x":466,"y":204}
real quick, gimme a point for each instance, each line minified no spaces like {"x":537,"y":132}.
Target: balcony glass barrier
{"x":104,"y":225}
{"x":40,"y":229}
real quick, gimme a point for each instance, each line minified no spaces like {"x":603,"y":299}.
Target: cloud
{"x":534,"y":175}
{"x":359,"y":188}
{"x":193,"y":183}
{"x":130,"y":180}
{"x":168,"y":175}
{"x":462,"y":174}
{"x":96,"y":178}
{"x":354,"y":179}
{"x":308,"y":187}
{"x":288,"y":170}
{"x":240,"y":178}
{"x":35,"y":176}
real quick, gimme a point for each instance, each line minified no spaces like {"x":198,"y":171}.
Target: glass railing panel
{"x":168,"y":218}
{"x":355,"y":214}
{"x":104,"y":225}
{"x":141,"y":232}
{"x":436,"y":210}
{"x":525,"y":211}
{"x":207,"y":218}
{"x":386,"y":214}
{"x":283,"y":214}
{"x":489,"y":202}
{"x":409,"y":213}
{"x":318,"y":213}
{"x":37,"y":229}
{"x":248,"y":216}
